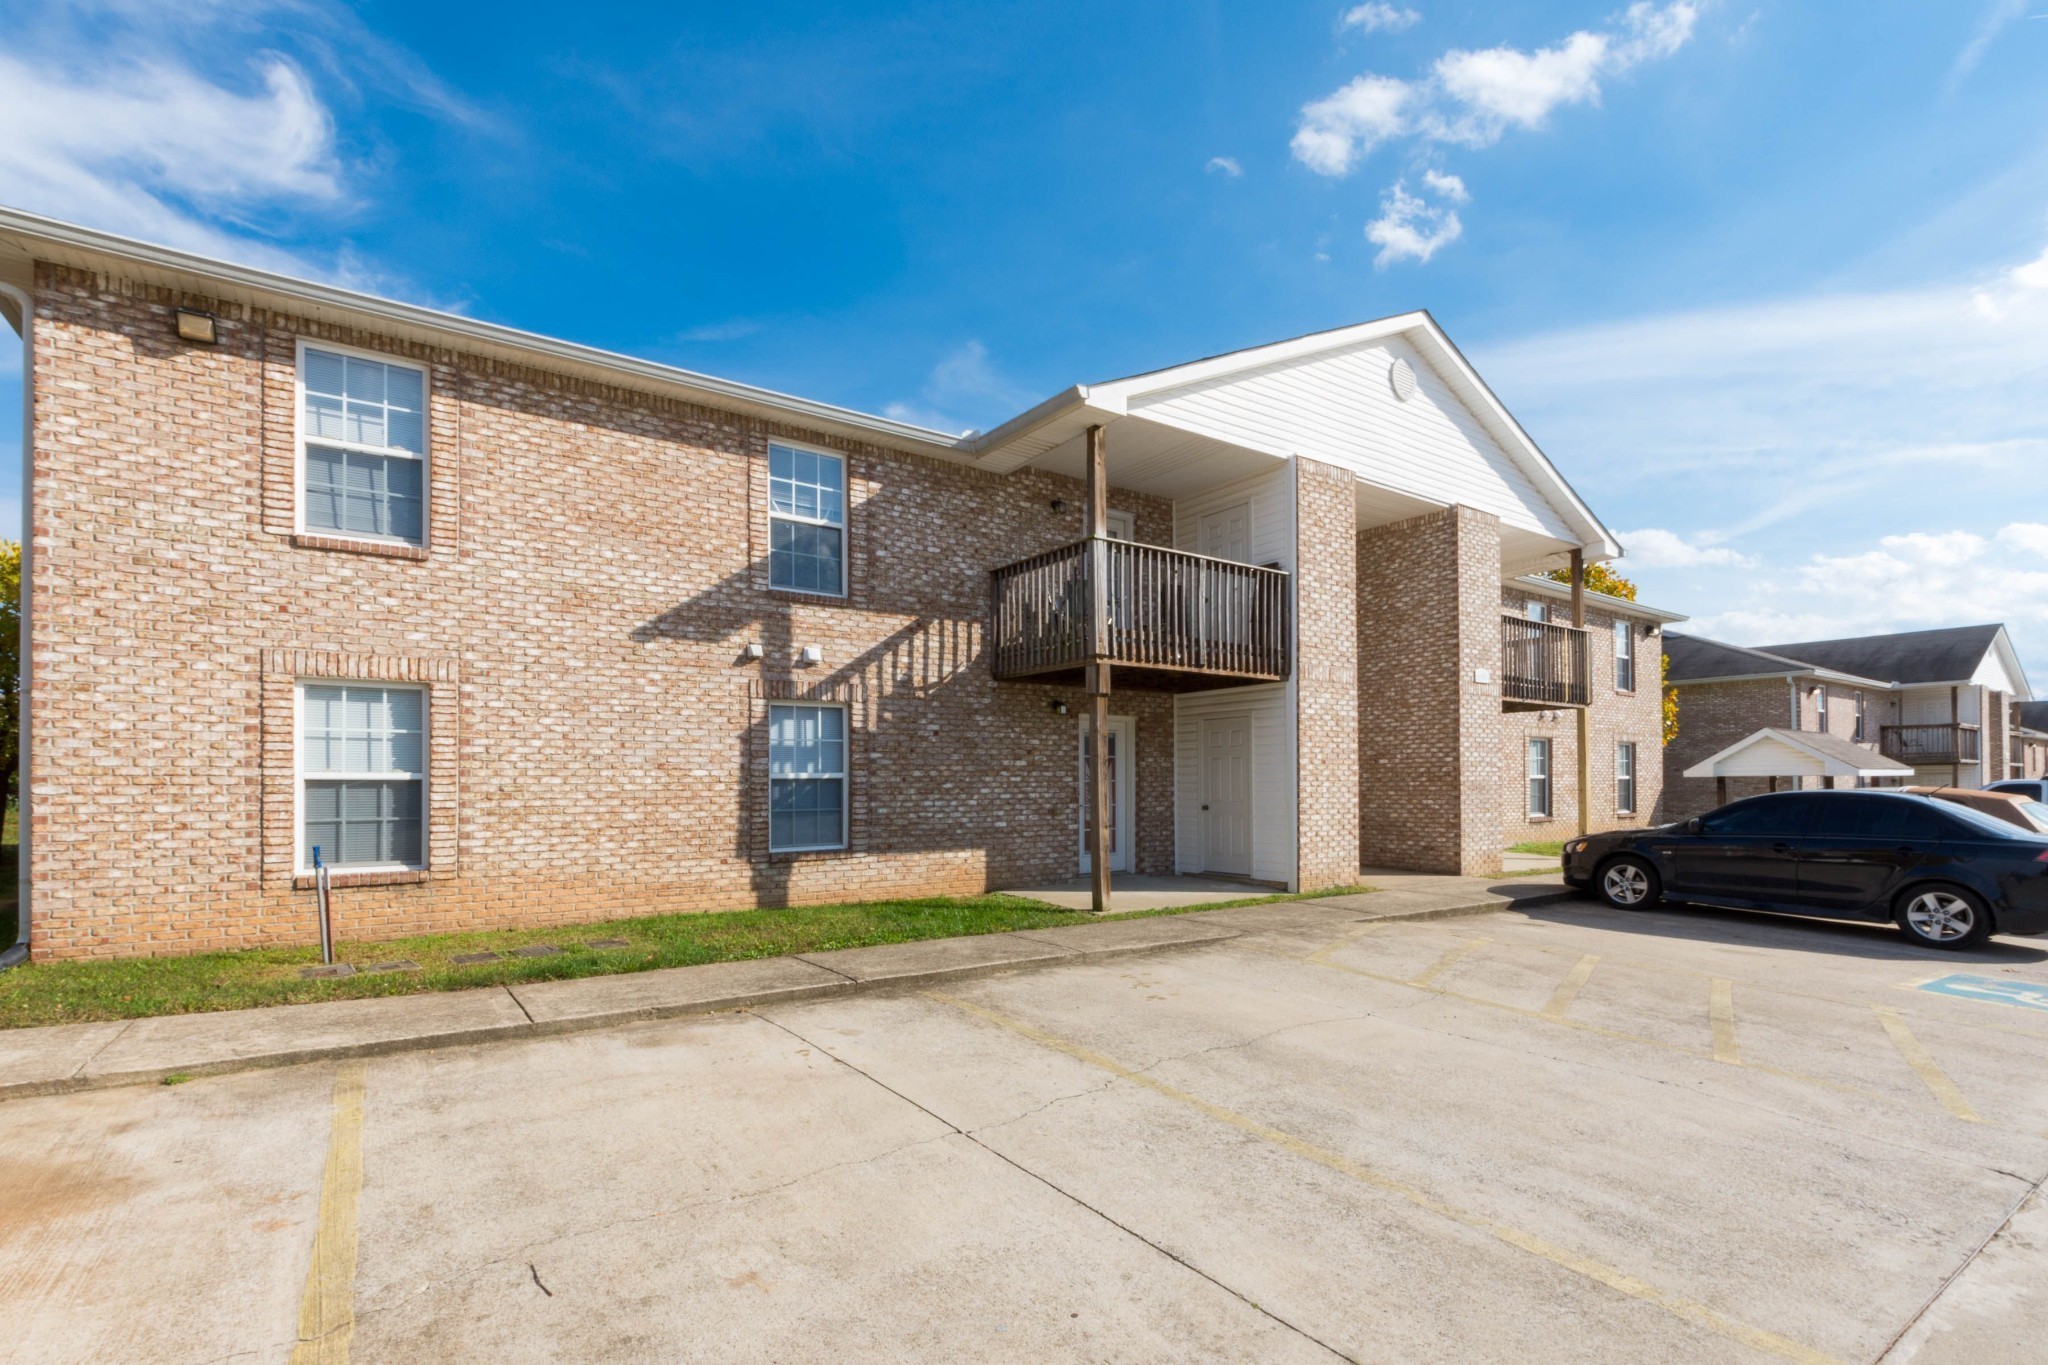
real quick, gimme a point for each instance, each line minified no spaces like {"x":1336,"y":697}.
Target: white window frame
{"x":1625,"y":772}
{"x":1536,"y":609}
{"x":1624,"y":648}
{"x":845,"y":516}
{"x":302,"y":853}
{"x":1530,"y":777}
{"x":843,"y":777}
{"x":424,"y":454}
{"x":1820,"y":708}
{"x":1120,"y":525}
{"x":1862,"y":731}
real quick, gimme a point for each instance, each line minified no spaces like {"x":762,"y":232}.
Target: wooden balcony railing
{"x":1142,"y":606}
{"x":1541,"y":664}
{"x":1947,"y":742}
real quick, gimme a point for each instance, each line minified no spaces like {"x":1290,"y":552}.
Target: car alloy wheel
{"x":1941,"y":916}
{"x":1626,"y":884}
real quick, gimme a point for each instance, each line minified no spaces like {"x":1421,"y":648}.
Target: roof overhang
{"x":1789,"y":753}
{"x":1619,"y":606}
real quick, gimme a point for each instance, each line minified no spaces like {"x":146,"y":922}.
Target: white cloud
{"x":1447,"y":186}
{"x":1375,"y":17}
{"x":131,"y":148}
{"x":2029,"y":536}
{"x":1473,"y":97}
{"x":1340,"y":128}
{"x":1225,"y":165}
{"x":1655,"y":548}
{"x":2013,"y":288}
{"x":964,"y":384}
{"x":1409,"y":228}
{"x":1997,"y":15}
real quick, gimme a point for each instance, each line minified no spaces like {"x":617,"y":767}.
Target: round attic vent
{"x":1402,"y":377}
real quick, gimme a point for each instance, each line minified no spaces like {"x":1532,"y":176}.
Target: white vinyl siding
{"x":1271,"y":706}
{"x":1624,"y":656}
{"x":1340,"y":409}
{"x":362,"y":775}
{"x":1539,"y":777}
{"x":806,"y":520}
{"x":1625,"y":778}
{"x":362,"y":423}
{"x":806,"y":777}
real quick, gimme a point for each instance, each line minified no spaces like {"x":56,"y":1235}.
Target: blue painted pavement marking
{"x":2026,"y":995}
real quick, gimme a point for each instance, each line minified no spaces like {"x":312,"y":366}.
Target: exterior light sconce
{"x":1057,"y":707}
{"x":810,"y":654}
{"x":194,"y":326}
{"x":752,"y":651}
{"x":1058,"y":506}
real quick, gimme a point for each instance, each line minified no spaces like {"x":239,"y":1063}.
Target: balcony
{"x":1165,"y":619}
{"x":1542,"y":665}
{"x":1948,"y":742}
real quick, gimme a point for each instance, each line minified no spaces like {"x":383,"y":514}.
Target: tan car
{"x":2010,"y":807}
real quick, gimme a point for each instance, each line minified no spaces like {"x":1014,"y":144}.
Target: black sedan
{"x":1947,"y":875}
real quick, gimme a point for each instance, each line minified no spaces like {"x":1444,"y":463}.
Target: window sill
{"x":804,"y":855}
{"x":404,"y":876}
{"x":349,"y":545}
{"x":1539,"y":819}
{"x":808,"y":594}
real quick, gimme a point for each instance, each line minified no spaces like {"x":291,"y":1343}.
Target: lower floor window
{"x":1539,"y":777}
{"x":362,"y":775}
{"x":806,"y":777}
{"x":1624,"y":778}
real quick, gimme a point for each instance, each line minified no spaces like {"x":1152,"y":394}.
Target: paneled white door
{"x":1122,"y":764}
{"x":1227,"y":795}
{"x":1227,"y":534}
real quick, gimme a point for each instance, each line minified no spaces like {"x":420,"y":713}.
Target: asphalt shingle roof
{"x":1692,"y":658}
{"x":2034,"y":715}
{"x":1914,"y":656}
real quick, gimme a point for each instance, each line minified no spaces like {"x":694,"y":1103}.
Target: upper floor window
{"x":362,"y":775}
{"x":1820,"y":709}
{"x":1537,"y":610}
{"x":1862,"y":716}
{"x":363,"y":427}
{"x":1624,"y":657}
{"x":806,"y":520}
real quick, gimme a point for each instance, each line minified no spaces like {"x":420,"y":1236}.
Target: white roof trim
{"x":1620,"y":606}
{"x":1832,"y":765}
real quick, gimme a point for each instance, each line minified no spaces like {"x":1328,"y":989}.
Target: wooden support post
{"x":1098,"y":675}
{"x":1955,"y":737}
{"x":1585,"y":766}
{"x":1720,"y":791}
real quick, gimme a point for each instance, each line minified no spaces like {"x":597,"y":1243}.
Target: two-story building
{"x":1938,"y":702}
{"x":517,"y":631}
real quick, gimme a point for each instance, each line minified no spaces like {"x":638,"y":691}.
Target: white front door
{"x":1227,"y":795}
{"x":1228,"y":534}
{"x":1122,"y":764}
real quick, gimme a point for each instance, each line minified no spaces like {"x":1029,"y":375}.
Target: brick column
{"x":1326,"y":675}
{"x":1432,"y":763}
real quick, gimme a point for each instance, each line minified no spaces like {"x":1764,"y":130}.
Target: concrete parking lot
{"x":1552,"y":1134}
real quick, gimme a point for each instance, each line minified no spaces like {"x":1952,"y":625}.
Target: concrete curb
{"x":86,"y":1078}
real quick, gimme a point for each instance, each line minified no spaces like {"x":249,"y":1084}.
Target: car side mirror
{"x":1692,"y":826}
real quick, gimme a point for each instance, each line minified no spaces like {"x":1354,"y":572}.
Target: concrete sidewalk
{"x":69,"y":1057}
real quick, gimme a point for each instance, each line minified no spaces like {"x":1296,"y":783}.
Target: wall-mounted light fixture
{"x":1058,"y":707}
{"x":752,"y":651}
{"x":199,"y":327}
{"x":810,"y":654}
{"x":1058,"y":505}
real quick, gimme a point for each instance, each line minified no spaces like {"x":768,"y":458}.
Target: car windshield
{"x":1981,"y":823}
{"x":2036,"y":812}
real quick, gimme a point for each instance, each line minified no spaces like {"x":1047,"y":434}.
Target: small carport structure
{"x":1775,"y":754}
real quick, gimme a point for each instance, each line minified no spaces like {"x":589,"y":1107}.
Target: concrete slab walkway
{"x":70,"y":1057}
{"x":1143,"y":893}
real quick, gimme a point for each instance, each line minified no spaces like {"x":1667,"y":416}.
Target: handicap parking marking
{"x":2026,"y":995}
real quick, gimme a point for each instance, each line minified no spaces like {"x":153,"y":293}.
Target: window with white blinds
{"x":363,"y":424}
{"x":1539,"y":777}
{"x":806,"y":520}
{"x":806,"y":777}
{"x":1625,"y":778}
{"x":362,"y":775}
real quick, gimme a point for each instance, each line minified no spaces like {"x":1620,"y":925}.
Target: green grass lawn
{"x":73,"y":992}
{"x":1552,"y":849}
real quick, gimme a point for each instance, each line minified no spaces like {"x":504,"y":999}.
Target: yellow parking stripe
{"x":1620,"y":1281}
{"x":1448,"y":961}
{"x":1722,"y":1007}
{"x":327,"y":1311}
{"x":1322,"y":954}
{"x":1924,"y":1066}
{"x":1568,"y":989}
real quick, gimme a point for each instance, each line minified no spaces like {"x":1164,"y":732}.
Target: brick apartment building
{"x":1940,"y":702}
{"x":521,"y":632}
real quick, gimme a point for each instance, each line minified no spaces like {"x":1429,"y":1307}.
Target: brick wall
{"x":1612,"y":717}
{"x":1326,"y":687}
{"x":593,"y":572}
{"x":1430,"y":742}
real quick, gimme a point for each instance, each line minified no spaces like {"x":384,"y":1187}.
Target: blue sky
{"x":1768,"y":281}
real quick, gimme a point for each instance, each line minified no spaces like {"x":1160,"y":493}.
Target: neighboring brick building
{"x":1937,"y":701}
{"x":520,"y":632}
{"x":1624,"y":723}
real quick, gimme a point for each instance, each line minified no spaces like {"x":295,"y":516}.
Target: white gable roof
{"x":1796,"y":753}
